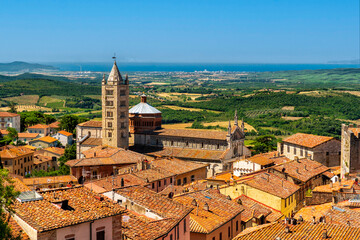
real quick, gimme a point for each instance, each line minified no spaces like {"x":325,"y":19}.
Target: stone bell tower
{"x":115,"y":109}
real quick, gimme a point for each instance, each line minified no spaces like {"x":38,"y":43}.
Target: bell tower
{"x":115,"y":109}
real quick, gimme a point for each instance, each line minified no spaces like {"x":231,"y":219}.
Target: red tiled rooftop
{"x":91,"y":123}
{"x":307,"y":140}
{"x":8,"y":114}
{"x":37,"y":126}
{"x":65,"y":133}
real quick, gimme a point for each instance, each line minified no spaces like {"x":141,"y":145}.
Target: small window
{"x":192,"y":178}
{"x":301,"y":152}
{"x":109,"y":92}
{"x":171,"y":237}
{"x":237,"y":226}
{"x":170,"y":180}
{"x":109,"y":124}
{"x":159,"y":183}
{"x":185,"y":180}
{"x":100,"y":235}
{"x":122,"y":104}
{"x":122,"y":125}
{"x":229,"y":232}
{"x":179,"y":182}
{"x":220,"y":236}
{"x":294,"y":150}
{"x":288,"y":149}
{"x":109,"y":103}
{"x":70,"y":237}
{"x":122,"y":93}
{"x":185,"y":225}
{"x":327,"y":153}
{"x":109,"y":114}
{"x":165,"y":182}
{"x":109,"y":134}
{"x":153,"y":185}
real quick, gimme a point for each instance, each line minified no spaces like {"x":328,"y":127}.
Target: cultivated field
{"x":189,"y":109}
{"x":22,"y":108}
{"x":24,"y":100}
{"x":179,"y":96}
{"x":52,"y":102}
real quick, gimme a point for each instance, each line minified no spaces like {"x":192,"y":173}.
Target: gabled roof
{"x":221,"y":210}
{"x":49,"y":180}
{"x":14,"y":152}
{"x":46,"y":139}
{"x":307,"y":140}
{"x":104,"y":155}
{"x":272,"y":184}
{"x":157,"y":203}
{"x":65,"y":133}
{"x":256,"y":209}
{"x":304,"y":230}
{"x":263,"y":159}
{"x":54,"y":124}
{"x":8,"y":114}
{"x":140,"y":227}
{"x":154,"y":174}
{"x":56,"y":150}
{"x":37,"y":126}
{"x":187,"y":133}
{"x":44,"y":215}
{"x":27,"y":135}
{"x":302,"y":169}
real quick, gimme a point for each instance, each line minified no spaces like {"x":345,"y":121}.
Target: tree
{"x":70,"y":153}
{"x":7,"y":197}
{"x":264,"y":143}
{"x":69,"y":122}
{"x":12,"y":107}
{"x":10,"y":137}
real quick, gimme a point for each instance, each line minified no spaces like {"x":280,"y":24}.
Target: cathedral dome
{"x":143,"y":107}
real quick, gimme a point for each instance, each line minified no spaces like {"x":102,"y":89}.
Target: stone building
{"x":88,"y":135}
{"x":115,"y":113}
{"x":8,"y":119}
{"x":350,"y":146}
{"x":18,"y":160}
{"x":325,"y":150}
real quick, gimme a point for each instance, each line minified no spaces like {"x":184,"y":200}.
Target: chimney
{"x":65,"y":204}
{"x":206,"y":207}
{"x":313,"y":220}
{"x":194,"y":203}
{"x":324,"y":235}
{"x":296,"y":158}
{"x":122,"y":182}
{"x":287,"y":229}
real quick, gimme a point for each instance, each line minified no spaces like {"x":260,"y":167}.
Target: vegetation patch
{"x":24,"y":99}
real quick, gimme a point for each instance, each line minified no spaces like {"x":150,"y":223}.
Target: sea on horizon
{"x":192,"y":67}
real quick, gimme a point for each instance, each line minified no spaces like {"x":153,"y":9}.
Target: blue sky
{"x":249,"y":31}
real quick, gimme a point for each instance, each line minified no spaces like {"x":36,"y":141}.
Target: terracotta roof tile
{"x":154,"y":174}
{"x":221,"y":210}
{"x":37,"y":126}
{"x":92,"y":142}
{"x":27,"y":135}
{"x":305,"y":230}
{"x":14,"y":152}
{"x":264,"y":158}
{"x":46,"y":139}
{"x":65,"y":133}
{"x":356,"y":131}
{"x":204,"y":134}
{"x":8,"y":114}
{"x":4,"y":132}
{"x":302,"y":169}
{"x":257,"y":209}
{"x":49,"y":180}
{"x":337,"y":186}
{"x":157,"y":203}
{"x":18,"y":185}
{"x":271,"y":183}
{"x":177,"y":166}
{"x":307,"y":140}
{"x":142,"y":228}
{"x":106,"y":184}
{"x":54,"y":125}
{"x":104,"y":155}
{"x":39,"y":158}
{"x":56,"y":150}
{"x":44,"y":215}
{"x":91,"y":123}
{"x":16,"y":230}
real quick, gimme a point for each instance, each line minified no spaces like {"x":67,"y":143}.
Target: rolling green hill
{"x":46,"y":87}
{"x":23,"y":66}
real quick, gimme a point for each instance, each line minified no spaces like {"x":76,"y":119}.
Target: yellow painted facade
{"x":268,"y":199}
